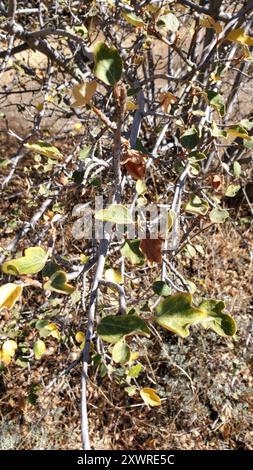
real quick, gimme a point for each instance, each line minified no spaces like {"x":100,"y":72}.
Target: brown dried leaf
{"x":151,"y":248}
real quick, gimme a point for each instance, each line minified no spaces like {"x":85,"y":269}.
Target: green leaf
{"x":39,"y":349}
{"x":85,"y":152}
{"x":113,"y":329}
{"x":216,"y":101}
{"x":50,"y":268}
{"x":196,"y":156}
{"x":43,"y":148}
{"x":222,"y":323}
{"x":237,"y":169}
{"x":196,"y":205}
{"x":133,"y":19}
{"x":121,"y":352}
{"x":232,"y":190}
{"x":58,"y":282}
{"x":131,"y":250}
{"x":218,"y":215}
{"x":116,"y":213}
{"x":134,"y":371}
{"x":190,"y":138}
{"x":169,"y":21}
{"x":33,"y":262}
{"x":161,"y":288}
{"x":108,"y":64}
{"x":9,"y":294}
{"x":176,"y":314}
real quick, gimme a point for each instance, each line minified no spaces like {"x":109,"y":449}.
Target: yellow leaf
{"x":53,"y":328}
{"x":131,"y":106}
{"x":9,"y":347}
{"x":166,"y":99}
{"x":210,"y":22}
{"x":114,"y":276}
{"x":83,"y":93}
{"x":5,"y":358}
{"x":235,"y":133}
{"x":150,"y":397}
{"x":239,"y":35}
{"x":9,"y":293}
{"x":79,"y":337}
{"x":78,"y":126}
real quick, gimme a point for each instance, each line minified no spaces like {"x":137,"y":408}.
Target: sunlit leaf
{"x":9,"y":293}
{"x":39,"y":348}
{"x":135,"y":371}
{"x":169,"y":21}
{"x":83,"y":93}
{"x":166,"y":99}
{"x":177,"y":314}
{"x":80,"y":337}
{"x":218,"y":215}
{"x":150,"y":397}
{"x":58,"y":282}
{"x":239,"y":35}
{"x":114,"y":328}
{"x":131,"y":250}
{"x":232,"y":190}
{"x":237,"y":169}
{"x":222,"y":323}
{"x":34,"y":261}
{"x":196,"y":205}
{"x":108,"y":64}
{"x":116,"y":213}
{"x":133,"y":19}
{"x":216,"y":101}
{"x":114,"y":276}
{"x":121,"y":352}
{"x":161,"y":288}
{"x":43,"y":148}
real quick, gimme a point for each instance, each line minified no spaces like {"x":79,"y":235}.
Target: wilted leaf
{"x":239,"y":35}
{"x":131,"y":250}
{"x":169,"y":21}
{"x":150,"y":397}
{"x":133,"y":161}
{"x":108,"y":64}
{"x":196,"y":205}
{"x":176,"y":314}
{"x":190,"y":138}
{"x":116,"y":213}
{"x":152,"y":249}
{"x":121,"y":352}
{"x":222,"y":323}
{"x":218,"y":215}
{"x":58,"y":282}
{"x":114,"y":276}
{"x":166,"y":100}
{"x":39,"y":349}
{"x":42,"y":148}
{"x":33,"y":262}
{"x":9,"y":293}
{"x":133,"y":19}
{"x":161,"y":288}
{"x":232,"y":190}
{"x":83,"y":93}
{"x":209,"y":22}
{"x":112,"y":328}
